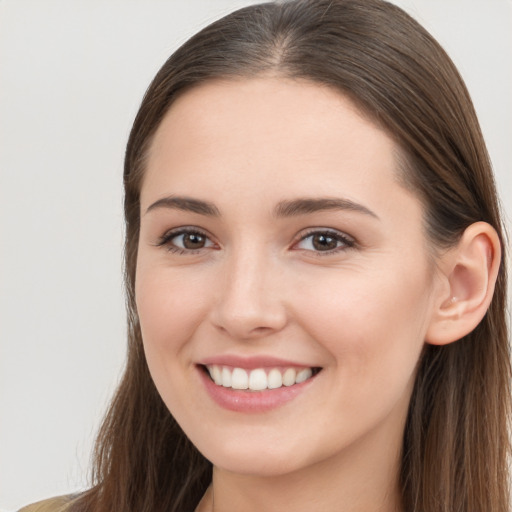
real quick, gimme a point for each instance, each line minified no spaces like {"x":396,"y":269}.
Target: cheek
{"x":170,"y":307}
{"x":373,"y":325}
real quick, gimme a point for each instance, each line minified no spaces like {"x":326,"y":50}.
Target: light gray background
{"x":72,"y":74}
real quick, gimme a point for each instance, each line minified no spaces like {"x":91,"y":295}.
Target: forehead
{"x":264,"y":113}
{"x":234,"y":138}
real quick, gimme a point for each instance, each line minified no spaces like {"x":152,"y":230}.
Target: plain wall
{"x":72,"y":74}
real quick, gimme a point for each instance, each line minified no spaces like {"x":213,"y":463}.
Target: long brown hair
{"x":456,"y":437}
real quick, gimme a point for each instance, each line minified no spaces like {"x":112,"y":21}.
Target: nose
{"x":249,"y":303}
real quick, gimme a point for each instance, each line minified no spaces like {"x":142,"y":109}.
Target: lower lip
{"x":252,"y":401}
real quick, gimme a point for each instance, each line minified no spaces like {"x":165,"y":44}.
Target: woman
{"x":313,"y":266}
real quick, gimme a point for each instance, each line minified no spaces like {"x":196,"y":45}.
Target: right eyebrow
{"x":186,"y":204}
{"x":307,"y":205}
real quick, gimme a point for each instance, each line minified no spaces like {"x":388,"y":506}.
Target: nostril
{"x":246,"y":328}
{"x":261,"y":330}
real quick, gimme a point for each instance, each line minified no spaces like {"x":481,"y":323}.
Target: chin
{"x":262,"y":458}
{"x":262,"y":465}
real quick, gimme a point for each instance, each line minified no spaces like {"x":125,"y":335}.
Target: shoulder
{"x":58,"y":504}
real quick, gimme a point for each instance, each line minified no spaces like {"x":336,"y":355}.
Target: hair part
{"x":456,"y":436}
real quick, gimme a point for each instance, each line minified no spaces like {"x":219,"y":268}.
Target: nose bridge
{"x":249,"y":303}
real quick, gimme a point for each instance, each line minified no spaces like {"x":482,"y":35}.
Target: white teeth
{"x":216,"y":374}
{"x":303,"y":375}
{"x":289,"y":377}
{"x":239,"y":379}
{"x":226,"y":378}
{"x":275,"y":379}
{"x":258,"y":379}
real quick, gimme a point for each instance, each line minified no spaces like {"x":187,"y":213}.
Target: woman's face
{"x":277,"y":245}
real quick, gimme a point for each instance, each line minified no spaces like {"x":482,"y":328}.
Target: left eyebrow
{"x":186,"y":204}
{"x":303,"y":206}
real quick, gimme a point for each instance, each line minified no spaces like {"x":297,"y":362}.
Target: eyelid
{"x":165,"y":239}
{"x":348,"y":240}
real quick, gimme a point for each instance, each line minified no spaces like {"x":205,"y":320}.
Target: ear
{"x":468,"y":273}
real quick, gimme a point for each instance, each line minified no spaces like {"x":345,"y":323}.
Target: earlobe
{"x":469,"y":272}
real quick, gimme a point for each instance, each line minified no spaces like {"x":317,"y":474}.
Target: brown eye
{"x":185,"y":240}
{"x":193,"y":241}
{"x":322,"y":242}
{"x":325,"y":241}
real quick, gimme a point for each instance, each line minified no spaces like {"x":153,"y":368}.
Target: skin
{"x":259,"y":287}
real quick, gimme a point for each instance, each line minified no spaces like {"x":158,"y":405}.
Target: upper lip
{"x":252,"y":362}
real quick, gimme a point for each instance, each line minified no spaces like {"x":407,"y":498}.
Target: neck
{"x":361,"y":479}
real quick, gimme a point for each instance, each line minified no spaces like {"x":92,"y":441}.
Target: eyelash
{"x":166,"y":240}
{"x":346,"y":241}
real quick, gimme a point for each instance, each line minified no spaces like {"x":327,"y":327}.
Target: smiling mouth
{"x":258,"y":379}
